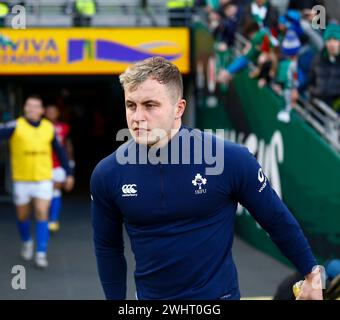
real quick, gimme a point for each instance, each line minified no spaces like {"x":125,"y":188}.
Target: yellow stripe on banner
{"x":257,"y":298}
{"x":90,"y":50}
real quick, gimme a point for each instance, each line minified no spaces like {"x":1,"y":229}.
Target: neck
{"x":32,"y":120}
{"x":163,"y":142}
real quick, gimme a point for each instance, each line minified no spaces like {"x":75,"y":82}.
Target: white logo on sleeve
{"x":260,"y":175}
{"x":262,"y":178}
{"x":129,"y":190}
{"x":199,"y":181}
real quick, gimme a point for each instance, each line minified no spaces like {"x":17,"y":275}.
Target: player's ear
{"x":180,"y":108}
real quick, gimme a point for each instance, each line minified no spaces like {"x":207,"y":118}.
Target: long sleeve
{"x":108,"y":238}
{"x":312,"y":75}
{"x":7,"y":129}
{"x":253,"y":191}
{"x":61,"y":155}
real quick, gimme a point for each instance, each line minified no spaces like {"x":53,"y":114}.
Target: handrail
{"x":315,"y":112}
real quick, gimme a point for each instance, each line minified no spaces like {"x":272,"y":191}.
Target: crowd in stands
{"x":287,"y":49}
{"x":291,"y":51}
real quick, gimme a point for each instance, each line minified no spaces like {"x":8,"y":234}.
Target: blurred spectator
{"x":62,"y":131}
{"x":224,"y":27}
{"x":266,"y":63}
{"x":287,"y":77}
{"x":310,"y":38}
{"x":325,"y":72}
{"x":291,"y":19}
{"x":304,"y":6}
{"x":180,"y":12}
{"x":312,"y":44}
{"x":145,"y":9}
{"x":206,"y":6}
{"x":312,"y":35}
{"x":4,"y":10}
{"x":252,"y":52}
{"x":83,"y":11}
{"x":263,"y":13}
{"x":212,"y":5}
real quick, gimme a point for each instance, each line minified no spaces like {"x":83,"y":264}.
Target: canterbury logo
{"x":129,"y":190}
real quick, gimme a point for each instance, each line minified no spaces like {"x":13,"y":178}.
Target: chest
{"x":169,"y":192}
{"x":26,"y":136}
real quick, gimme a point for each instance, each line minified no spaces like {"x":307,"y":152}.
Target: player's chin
{"x":145,"y":140}
{"x":141,"y":139}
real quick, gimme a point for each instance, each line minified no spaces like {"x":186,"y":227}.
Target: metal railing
{"x":315,"y":112}
{"x":58,"y":13}
{"x":323,"y":119}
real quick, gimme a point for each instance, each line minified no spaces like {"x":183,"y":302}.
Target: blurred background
{"x":266,"y":72}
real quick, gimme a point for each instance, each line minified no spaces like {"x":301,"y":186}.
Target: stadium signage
{"x":269,"y":155}
{"x":89,"y":51}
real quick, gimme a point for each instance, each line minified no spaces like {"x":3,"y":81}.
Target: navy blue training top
{"x":181,"y":221}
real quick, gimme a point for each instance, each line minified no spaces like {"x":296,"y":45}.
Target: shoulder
{"x":236,"y":154}
{"x":9,"y":124}
{"x":229,"y":147}
{"x":108,"y":167}
{"x":66,"y":127}
{"x":47,"y":123}
{"x":320,"y":57}
{"x":235,"y":148}
{"x":62,"y":125}
{"x":232,"y":152}
{"x":104,"y":168}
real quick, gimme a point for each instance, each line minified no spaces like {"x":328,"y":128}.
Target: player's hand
{"x":224,"y":77}
{"x":294,"y":96}
{"x":69,"y":183}
{"x":311,"y":287}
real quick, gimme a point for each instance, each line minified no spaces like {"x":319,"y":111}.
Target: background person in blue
{"x":180,"y":220}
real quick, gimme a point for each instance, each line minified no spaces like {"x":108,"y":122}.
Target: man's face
{"x":52,"y":113}
{"x":230,"y":11}
{"x":152,"y":110}
{"x":333,"y":46}
{"x":33,"y":109}
{"x":261,"y":3}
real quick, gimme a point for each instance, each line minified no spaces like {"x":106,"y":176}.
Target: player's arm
{"x":69,"y":147}
{"x":61,"y":154}
{"x":7,"y":129}
{"x":70,"y":152}
{"x":108,"y":238}
{"x":252,"y":189}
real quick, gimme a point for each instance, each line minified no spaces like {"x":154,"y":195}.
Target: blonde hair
{"x":156,"y":68}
